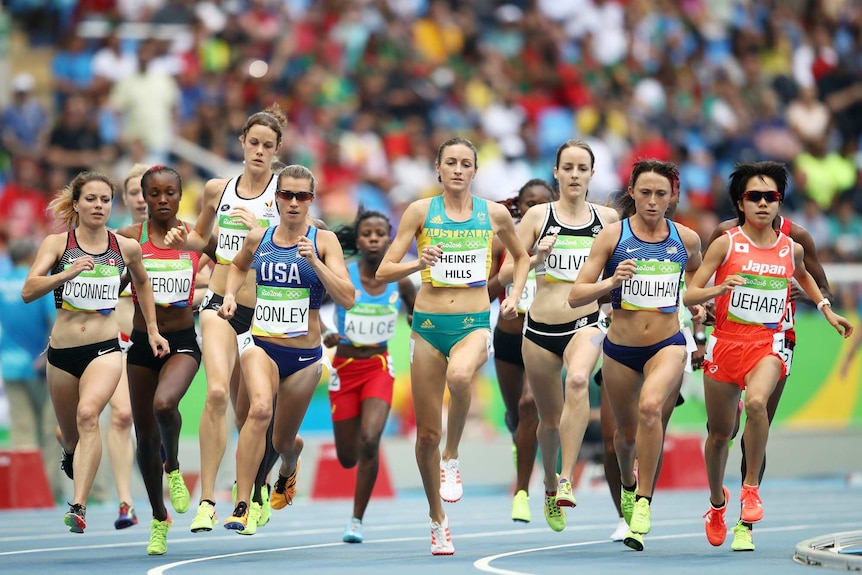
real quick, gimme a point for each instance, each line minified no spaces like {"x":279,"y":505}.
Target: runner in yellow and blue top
{"x":642,"y":260}
{"x":294,"y":264}
{"x":451,"y":322}
{"x":83,"y":268}
{"x":362,"y":376}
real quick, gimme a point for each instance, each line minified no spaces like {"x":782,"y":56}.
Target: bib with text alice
{"x":761,"y":301}
{"x":281,"y":312}
{"x":370,"y":324}
{"x":463,"y":263}
{"x":95,"y":290}
{"x":654,"y":287}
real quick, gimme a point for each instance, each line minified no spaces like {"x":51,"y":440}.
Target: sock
{"x":639,"y":497}
{"x":749,"y":526}
{"x":208,"y":501}
{"x":630,"y":488}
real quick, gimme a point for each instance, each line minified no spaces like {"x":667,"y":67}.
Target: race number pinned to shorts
{"x":784,"y":349}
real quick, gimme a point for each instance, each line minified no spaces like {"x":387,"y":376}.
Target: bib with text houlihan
{"x":654,"y":287}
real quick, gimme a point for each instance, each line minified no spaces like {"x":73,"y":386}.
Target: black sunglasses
{"x":769,"y":195}
{"x":300,"y":196}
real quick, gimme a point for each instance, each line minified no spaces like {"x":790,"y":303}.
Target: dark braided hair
{"x":348,"y":233}
{"x":512,"y":203}
{"x":160,"y":169}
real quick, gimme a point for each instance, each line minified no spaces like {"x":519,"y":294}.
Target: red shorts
{"x":353,"y":380}
{"x":730,"y":359}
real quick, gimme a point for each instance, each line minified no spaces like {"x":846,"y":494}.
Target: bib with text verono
{"x":654,"y":287}
{"x":761,"y":301}
{"x":566,"y":258}
{"x":529,"y":293}
{"x":172,"y":281}
{"x":92,"y":291}
{"x":462,"y":264}
{"x":281,"y":311}
{"x":370,"y":324}
{"x":231,"y":234}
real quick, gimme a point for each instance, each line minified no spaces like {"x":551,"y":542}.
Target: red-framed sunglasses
{"x":290,"y":194}
{"x":755,"y":196}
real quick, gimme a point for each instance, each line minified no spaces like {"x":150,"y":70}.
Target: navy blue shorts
{"x":289,"y":359}
{"x":636,"y":357}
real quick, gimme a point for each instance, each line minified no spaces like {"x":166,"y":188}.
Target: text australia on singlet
{"x":281,"y":311}
{"x":464,"y":259}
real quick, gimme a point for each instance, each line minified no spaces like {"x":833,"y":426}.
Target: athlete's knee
{"x":650,"y":411}
{"x":755,"y":406}
{"x":369,"y":445}
{"x":527,"y":412}
{"x":427,"y":439}
{"x":259,"y":412}
{"x":121,"y":419}
{"x":577,"y":383}
{"x":217,"y":398}
{"x":87,"y":418}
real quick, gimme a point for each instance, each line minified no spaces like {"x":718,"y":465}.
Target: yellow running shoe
{"x":205,"y":519}
{"x":285,"y":489}
{"x":627,"y":504}
{"x":565,"y":497}
{"x":742,"y":538}
{"x":521,"y":507}
{"x":553,"y":514}
{"x":641,"y":517}
{"x":180,"y":498}
{"x":159,"y":536}
{"x":265,"y":509}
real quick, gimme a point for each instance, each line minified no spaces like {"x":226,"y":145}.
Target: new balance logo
{"x":436,"y":220}
{"x":553,"y":230}
{"x":427,"y":324}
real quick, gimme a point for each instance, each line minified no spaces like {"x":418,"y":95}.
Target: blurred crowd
{"x":371,"y":87}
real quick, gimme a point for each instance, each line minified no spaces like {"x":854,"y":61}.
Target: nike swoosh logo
{"x":146,"y":255}
{"x":306,"y":358}
{"x":185,"y":351}
{"x":630,"y":250}
{"x":263,"y":254}
{"x":104,"y":351}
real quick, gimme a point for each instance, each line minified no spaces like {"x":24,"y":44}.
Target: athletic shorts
{"x":444,"y":330}
{"x":184,"y":342}
{"x":635,"y":358}
{"x":125,"y":342}
{"x":507,"y":347}
{"x":74,"y":360}
{"x":730,"y":358}
{"x":555,"y":337}
{"x":353,"y":380}
{"x":290,"y":359}
{"x":242,"y":317}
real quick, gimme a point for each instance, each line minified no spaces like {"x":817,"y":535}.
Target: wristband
{"x":823,"y":303}
{"x":700,"y":338}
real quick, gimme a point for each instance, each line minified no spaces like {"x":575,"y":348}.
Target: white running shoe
{"x":441,"y":540}
{"x":451,"y":489}
{"x":621,"y":530}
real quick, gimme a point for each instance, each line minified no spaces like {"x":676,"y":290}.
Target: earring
{"x":439,"y":179}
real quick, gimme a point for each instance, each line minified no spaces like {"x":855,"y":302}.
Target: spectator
{"x":74,"y":143}
{"x":25,"y":123}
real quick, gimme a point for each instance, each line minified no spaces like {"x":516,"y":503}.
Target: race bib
{"x":463,"y":263}
{"x":368,"y":324}
{"x":529,"y":293}
{"x":96,"y":290}
{"x":566,"y":258}
{"x":654,"y":287}
{"x":761,"y":301}
{"x":281,"y":312}
{"x":172,"y":281}
{"x":231,"y":233}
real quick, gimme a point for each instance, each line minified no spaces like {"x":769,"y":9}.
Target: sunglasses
{"x":769,"y":195}
{"x":290,"y":194}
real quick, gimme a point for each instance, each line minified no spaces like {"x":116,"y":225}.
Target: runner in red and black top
{"x":157,"y":384}
{"x":812,"y":263}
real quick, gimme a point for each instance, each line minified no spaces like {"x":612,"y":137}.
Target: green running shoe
{"x":205,"y":519}
{"x":265,"y":509}
{"x":553,"y":514}
{"x":641,"y":520}
{"x":627,"y":504}
{"x":521,"y":507}
{"x":634,"y":540}
{"x":565,"y":497}
{"x":252,"y":520}
{"x":180,"y":498}
{"x":742,"y":538}
{"x":159,"y":537}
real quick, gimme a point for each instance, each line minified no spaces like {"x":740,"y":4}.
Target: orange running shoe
{"x":716,"y":527}
{"x":752,"y":505}
{"x":284,"y":490}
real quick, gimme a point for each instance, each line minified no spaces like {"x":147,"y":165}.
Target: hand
{"x":731,"y":282}
{"x":697,"y":357}
{"x":228,"y":307}
{"x":81,"y":264}
{"x":709,"y":308}
{"x":698,"y":313}
{"x":840,"y":323}
{"x":305,"y":249}
{"x":430,"y":256}
{"x":509,"y":307}
{"x":159,"y":345}
{"x":625,"y":271}
{"x":544,"y":247}
{"x":330,"y":339}
{"x":176,"y":237}
{"x":246,"y":216}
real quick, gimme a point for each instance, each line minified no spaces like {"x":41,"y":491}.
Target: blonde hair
{"x":136,"y":171}
{"x":63,"y":204}
{"x":297,"y":172}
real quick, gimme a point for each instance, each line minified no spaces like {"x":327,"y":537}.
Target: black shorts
{"x":74,"y":360}
{"x":183,"y":342}
{"x":555,"y":337}
{"x":242,"y":317}
{"x":507,"y":347}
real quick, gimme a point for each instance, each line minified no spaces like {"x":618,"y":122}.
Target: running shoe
{"x":441,"y":539}
{"x":620,"y":532}
{"x":66,"y":461}
{"x":716,"y":527}
{"x":553,"y":514}
{"x":285,"y":489}
{"x":634,"y":540}
{"x":205,"y":519}
{"x":180,"y":497}
{"x":451,"y":489}
{"x":565,"y":497}
{"x":521,"y":507}
{"x":127,"y":516}
{"x":75,"y":518}
{"x":627,"y":504}
{"x":239,"y":520}
{"x":639,"y":525}
{"x":159,"y":536}
{"x":253,"y":520}
{"x":233,"y":494}
{"x":742,"y":538}
{"x":265,"y":509}
{"x":752,"y":505}
{"x":353,"y":531}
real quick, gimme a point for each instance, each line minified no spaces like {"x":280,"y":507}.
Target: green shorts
{"x":444,"y":330}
